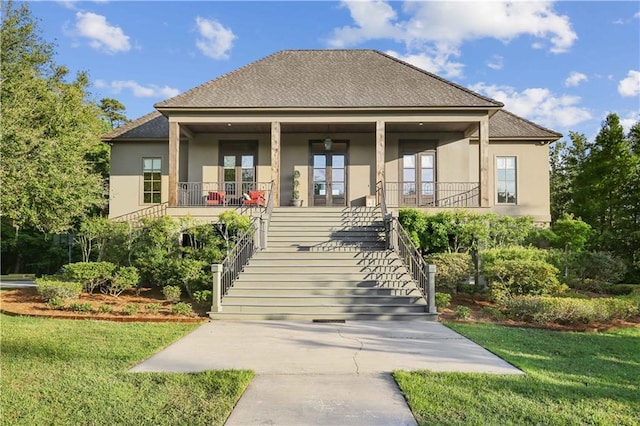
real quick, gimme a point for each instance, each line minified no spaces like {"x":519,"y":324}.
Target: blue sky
{"x":564,"y":65}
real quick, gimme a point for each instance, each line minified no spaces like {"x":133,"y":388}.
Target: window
{"x":151,"y":178}
{"x":506,"y":180}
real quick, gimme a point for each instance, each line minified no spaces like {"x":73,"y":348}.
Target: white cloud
{"x":138,"y":90}
{"x":575,"y":78}
{"x":630,"y":86}
{"x":434,"y":31}
{"x":629,"y":120}
{"x":215,"y":40}
{"x":436,"y":63}
{"x":101,"y":34}
{"x":496,"y":62}
{"x":538,"y":104}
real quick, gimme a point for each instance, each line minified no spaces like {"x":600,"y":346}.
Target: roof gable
{"x":506,"y":125}
{"x":328,"y":79}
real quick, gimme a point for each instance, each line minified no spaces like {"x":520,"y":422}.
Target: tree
{"x":49,"y":128}
{"x":113,"y":112}
{"x":565,"y":163}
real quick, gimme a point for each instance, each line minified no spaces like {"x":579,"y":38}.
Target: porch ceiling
{"x":330,"y":128}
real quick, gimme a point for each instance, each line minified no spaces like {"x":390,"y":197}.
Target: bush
{"x":182,"y":309}
{"x":491,"y":256}
{"x":451,"y":269}
{"x":443,"y":300}
{"x":597,"y":266}
{"x":56,"y":303}
{"x":91,"y":274}
{"x":130,"y":309}
{"x":564,"y":310}
{"x":620,"y":289}
{"x":172,"y":293}
{"x":64,"y":290}
{"x":80,"y":307}
{"x":204,"y":297}
{"x":493,"y":312}
{"x":522,"y":277}
{"x":105,"y":309}
{"x":462,"y":312}
{"x":126,"y":277}
{"x":152,"y":308}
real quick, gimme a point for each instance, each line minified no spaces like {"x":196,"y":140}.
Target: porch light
{"x":327,"y":144}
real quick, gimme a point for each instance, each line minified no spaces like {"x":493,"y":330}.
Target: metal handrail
{"x":442,"y":194}
{"x":410,"y":255}
{"x":238,"y":257}
{"x":154,"y":211}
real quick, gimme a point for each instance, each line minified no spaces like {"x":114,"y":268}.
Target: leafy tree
{"x":49,"y":127}
{"x":113,"y":112}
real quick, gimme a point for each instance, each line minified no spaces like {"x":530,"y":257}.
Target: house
{"x":350,"y":121}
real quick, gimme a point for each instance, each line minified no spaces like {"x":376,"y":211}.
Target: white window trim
{"x":141,"y":191}
{"x":495,"y":180}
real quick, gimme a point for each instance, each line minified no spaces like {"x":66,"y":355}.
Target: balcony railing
{"x":433,"y":194}
{"x":223,"y":194}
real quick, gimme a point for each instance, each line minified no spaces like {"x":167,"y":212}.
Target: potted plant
{"x":295,"y":196}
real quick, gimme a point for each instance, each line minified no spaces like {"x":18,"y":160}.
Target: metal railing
{"x":237,"y":258}
{"x":434,"y":194}
{"x":221,"y":194}
{"x":152,"y":212}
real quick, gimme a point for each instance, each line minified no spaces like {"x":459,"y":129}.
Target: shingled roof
{"x":506,"y":125}
{"x":328,"y":79}
{"x":150,"y":126}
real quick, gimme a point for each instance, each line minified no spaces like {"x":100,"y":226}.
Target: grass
{"x":572,"y":379}
{"x":64,"y":372}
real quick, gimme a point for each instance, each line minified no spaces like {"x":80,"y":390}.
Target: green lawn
{"x":572,"y":379}
{"x":64,"y":372}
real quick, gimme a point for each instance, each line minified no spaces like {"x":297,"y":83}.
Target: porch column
{"x":380,"y":148}
{"x":483,"y":157}
{"x":275,"y":161}
{"x":174,"y":162}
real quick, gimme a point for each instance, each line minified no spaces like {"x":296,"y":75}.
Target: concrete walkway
{"x":324,"y":373}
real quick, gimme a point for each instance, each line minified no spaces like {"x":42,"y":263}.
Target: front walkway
{"x":324,"y":373}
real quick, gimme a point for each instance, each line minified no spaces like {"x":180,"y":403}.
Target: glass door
{"x":329,"y":175}
{"x":237,"y":171}
{"x":418,"y":179}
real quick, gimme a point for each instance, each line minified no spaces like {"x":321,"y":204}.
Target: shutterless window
{"x":506,"y":180}
{"x":151,"y":177}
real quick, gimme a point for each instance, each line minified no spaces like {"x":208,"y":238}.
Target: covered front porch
{"x":420,"y":159}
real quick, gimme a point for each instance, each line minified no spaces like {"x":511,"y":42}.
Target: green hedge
{"x":451,"y":269}
{"x":565,"y":310}
{"x":53,"y":289}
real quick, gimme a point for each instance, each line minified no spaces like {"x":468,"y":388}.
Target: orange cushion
{"x":256,"y":194}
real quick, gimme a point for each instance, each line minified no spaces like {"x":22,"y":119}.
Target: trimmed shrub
{"x":451,"y":269}
{"x":82,"y":307}
{"x":105,"y":309}
{"x":92,"y":275}
{"x":183,"y":308}
{"x":597,"y":266}
{"x":130,"y":309}
{"x":522,"y":277}
{"x":64,"y":290}
{"x":620,"y":289}
{"x":491,"y":256}
{"x":564,"y":310}
{"x":443,"y":300}
{"x":126,"y":277}
{"x":462,"y":312}
{"x":493,"y":312}
{"x":172,"y":293}
{"x":56,"y":303}
{"x":204,"y":297}
{"x":152,"y":308}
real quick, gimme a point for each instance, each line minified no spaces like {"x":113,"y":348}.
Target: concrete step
{"x":299,"y":256}
{"x":303,"y":308}
{"x":311,"y":268}
{"x":300,"y":262}
{"x":325,"y":235}
{"x":323,"y":291}
{"x":325,"y":248}
{"x":314,"y":299}
{"x":275,"y":282}
{"x":307,"y":276}
{"x":324,"y":316}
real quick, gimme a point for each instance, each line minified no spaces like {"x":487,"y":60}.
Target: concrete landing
{"x":304,"y":347}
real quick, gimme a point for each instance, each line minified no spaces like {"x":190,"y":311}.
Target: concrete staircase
{"x":324,"y":264}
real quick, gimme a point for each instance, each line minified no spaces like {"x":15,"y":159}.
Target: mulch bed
{"x":478,"y":316}
{"x":27,"y":301}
